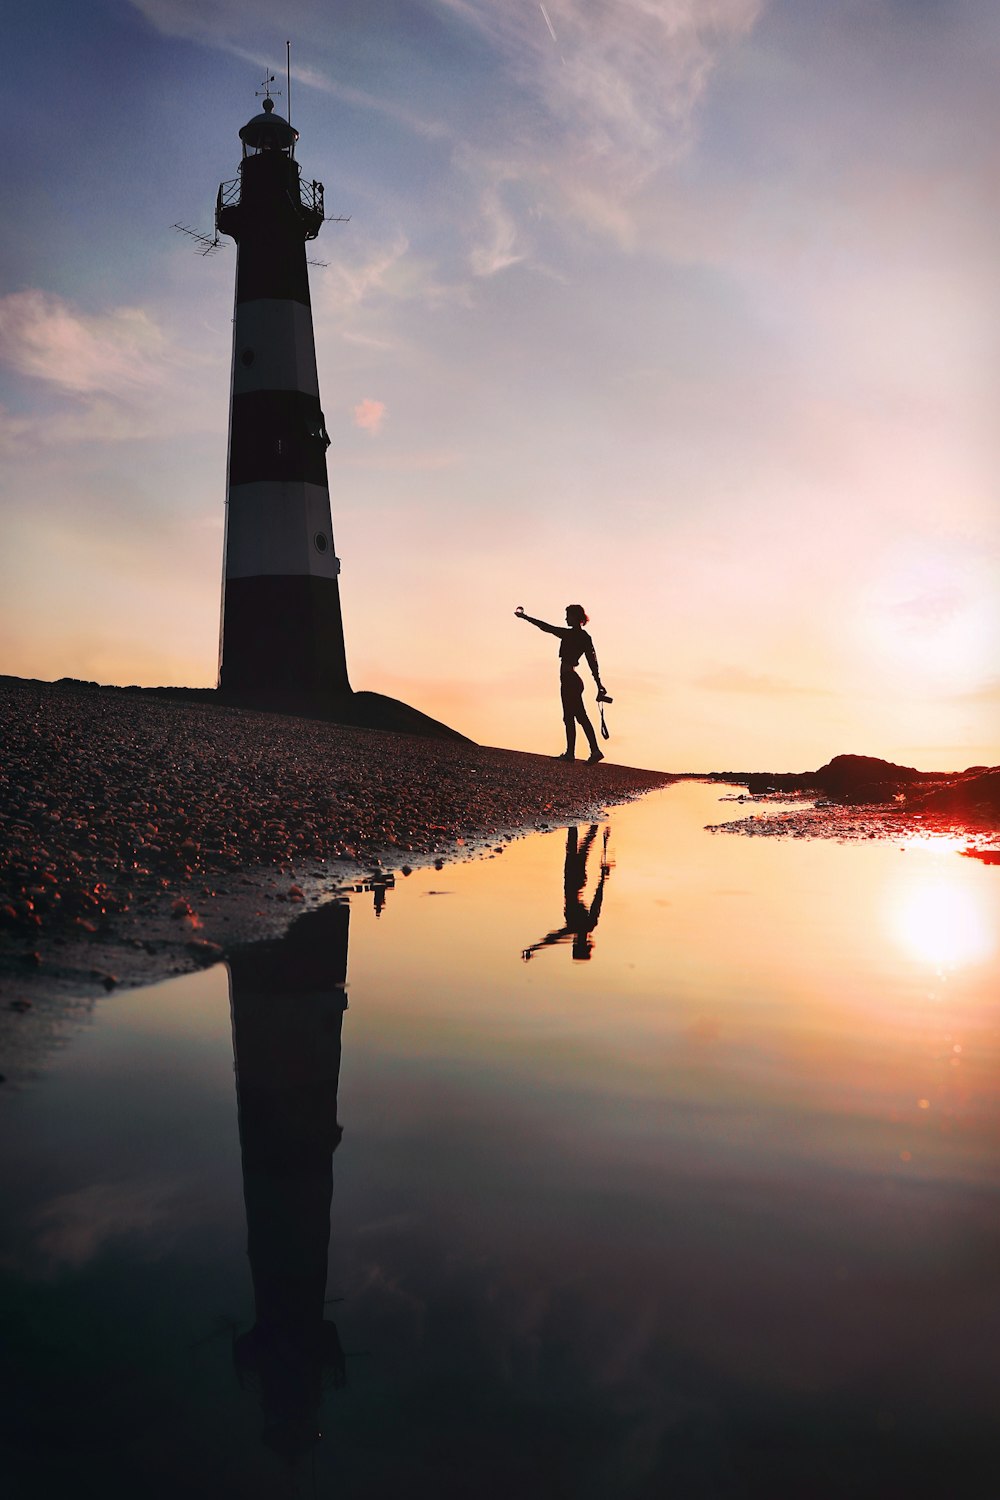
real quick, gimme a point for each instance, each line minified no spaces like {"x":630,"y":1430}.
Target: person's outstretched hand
{"x":519,"y":611}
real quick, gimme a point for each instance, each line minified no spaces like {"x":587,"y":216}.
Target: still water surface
{"x":661,"y":1166}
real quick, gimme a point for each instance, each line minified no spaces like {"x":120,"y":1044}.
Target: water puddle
{"x":634,"y":1162}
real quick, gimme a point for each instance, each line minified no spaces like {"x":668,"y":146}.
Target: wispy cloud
{"x":601,"y":115}
{"x":121,"y":374}
{"x":627,"y":75}
{"x":360,"y":99}
{"x":227,"y":25}
{"x":731,"y":679}
{"x":111,"y":353}
{"x":498,"y":240}
{"x":929,"y":608}
{"x":987,"y":692}
{"x":72,"y":1229}
{"x":380,"y":274}
{"x":597,"y":112}
{"x":377,"y":270}
{"x":405,"y":461}
{"x":369,"y":415}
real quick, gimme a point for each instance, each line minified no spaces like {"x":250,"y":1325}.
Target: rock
{"x":865,"y":778}
{"x":975,"y":797}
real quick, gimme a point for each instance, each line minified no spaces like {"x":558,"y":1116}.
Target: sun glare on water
{"x":940,"y":921}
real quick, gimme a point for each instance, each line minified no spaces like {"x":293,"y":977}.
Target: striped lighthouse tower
{"x":282,"y":643}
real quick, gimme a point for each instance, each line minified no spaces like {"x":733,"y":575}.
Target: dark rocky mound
{"x":866,"y":778}
{"x":361,"y":710}
{"x":376,"y":711}
{"x":845,"y":778}
{"x":972,"y":797}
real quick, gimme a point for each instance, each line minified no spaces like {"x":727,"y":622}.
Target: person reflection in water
{"x":580,"y":919}
{"x":574,"y":642}
{"x":288,"y":1001}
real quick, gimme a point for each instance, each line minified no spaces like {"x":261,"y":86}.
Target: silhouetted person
{"x":580,"y":919}
{"x":288,"y":1002}
{"x":574,"y":642}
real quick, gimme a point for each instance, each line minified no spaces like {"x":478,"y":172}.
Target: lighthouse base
{"x":283,"y":643}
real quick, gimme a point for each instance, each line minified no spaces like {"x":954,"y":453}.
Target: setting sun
{"x":941,"y":921}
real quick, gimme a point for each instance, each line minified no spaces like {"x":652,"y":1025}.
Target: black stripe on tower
{"x":268,"y":225}
{"x":283,"y":642}
{"x":277,"y":435}
{"x":273,"y":264}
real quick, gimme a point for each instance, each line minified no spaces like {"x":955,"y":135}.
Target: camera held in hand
{"x":604,"y":697}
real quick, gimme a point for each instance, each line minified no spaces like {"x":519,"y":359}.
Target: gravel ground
{"x":140,"y":837}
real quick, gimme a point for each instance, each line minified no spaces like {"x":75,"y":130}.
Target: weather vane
{"x":266,"y":87}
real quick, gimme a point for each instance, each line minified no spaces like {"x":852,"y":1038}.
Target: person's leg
{"x":570,"y":698}
{"x":570,"y":726}
{"x":588,"y":729}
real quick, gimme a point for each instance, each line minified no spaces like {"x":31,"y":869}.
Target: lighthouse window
{"x":321,"y":542}
{"x":247,"y":357}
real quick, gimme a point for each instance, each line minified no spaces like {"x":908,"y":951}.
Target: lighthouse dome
{"x":268,"y":131}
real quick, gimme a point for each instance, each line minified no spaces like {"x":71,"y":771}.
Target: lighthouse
{"x":282,"y":637}
{"x":288,"y":1000}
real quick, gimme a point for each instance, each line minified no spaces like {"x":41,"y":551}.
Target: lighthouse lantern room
{"x":282,"y":639}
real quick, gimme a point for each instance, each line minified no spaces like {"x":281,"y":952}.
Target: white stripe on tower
{"x":283,"y":641}
{"x":274,"y":348}
{"x":282,"y":528}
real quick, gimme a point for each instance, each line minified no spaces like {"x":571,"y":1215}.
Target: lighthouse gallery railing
{"x":310,"y":203}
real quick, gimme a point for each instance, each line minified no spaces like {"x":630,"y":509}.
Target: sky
{"x":684,"y":310}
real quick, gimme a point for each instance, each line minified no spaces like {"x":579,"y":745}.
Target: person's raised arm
{"x":540,"y":624}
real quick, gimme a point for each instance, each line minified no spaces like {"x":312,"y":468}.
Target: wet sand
{"x":144,"y":836}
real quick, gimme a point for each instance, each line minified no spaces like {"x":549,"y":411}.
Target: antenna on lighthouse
{"x":206,"y":244}
{"x":288,"y":83}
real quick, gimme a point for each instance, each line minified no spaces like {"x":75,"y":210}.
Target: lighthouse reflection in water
{"x":694,"y":1201}
{"x":288,"y":1003}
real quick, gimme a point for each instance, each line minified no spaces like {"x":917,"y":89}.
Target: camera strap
{"x":605,"y":731}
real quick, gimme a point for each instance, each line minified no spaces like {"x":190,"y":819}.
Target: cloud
{"x":731,"y":679}
{"x":929,"y":608}
{"x":586,"y":121}
{"x":626,"y":75}
{"x":116,"y":375}
{"x":418,"y":124}
{"x":377,"y":271}
{"x":362,"y":295}
{"x":582,"y":134}
{"x":43,"y":336}
{"x":404,"y":461}
{"x":368,"y":415}
{"x":986,"y":692}
{"x":228,"y":24}
{"x":72,"y":1229}
{"x":497,"y":247}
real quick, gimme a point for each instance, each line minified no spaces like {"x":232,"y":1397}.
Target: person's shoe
{"x":565,"y":756}
{"x":594,"y":757}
